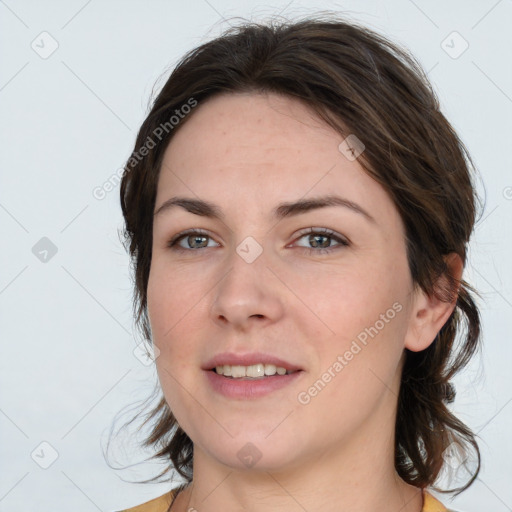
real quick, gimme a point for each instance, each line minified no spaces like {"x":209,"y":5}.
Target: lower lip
{"x":250,"y":388}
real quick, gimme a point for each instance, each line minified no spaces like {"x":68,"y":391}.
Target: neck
{"x":328,"y":483}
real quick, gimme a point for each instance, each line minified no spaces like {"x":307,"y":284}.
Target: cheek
{"x":173,"y":305}
{"x":363,"y":313}
{"x":352,"y":298}
{"x":178,"y":303}
{"x":358,"y":363}
{"x":174,"y":295}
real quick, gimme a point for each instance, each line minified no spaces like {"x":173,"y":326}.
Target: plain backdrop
{"x":75,"y":81}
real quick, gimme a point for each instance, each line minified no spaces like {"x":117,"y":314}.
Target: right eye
{"x":191,"y":240}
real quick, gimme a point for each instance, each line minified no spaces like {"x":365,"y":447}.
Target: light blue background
{"x":68,"y":122}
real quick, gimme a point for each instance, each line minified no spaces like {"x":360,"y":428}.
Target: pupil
{"x":193,"y":240}
{"x":314,"y":240}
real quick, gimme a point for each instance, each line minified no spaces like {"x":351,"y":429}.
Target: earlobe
{"x":429,"y":313}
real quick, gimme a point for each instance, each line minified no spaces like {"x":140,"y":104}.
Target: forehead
{"x":250,"y":128}
{"x":262,"y":147}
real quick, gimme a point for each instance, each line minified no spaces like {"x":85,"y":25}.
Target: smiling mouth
{"x":252,"y":372}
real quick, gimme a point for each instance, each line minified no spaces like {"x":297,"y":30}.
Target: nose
{"x":249,"y":294}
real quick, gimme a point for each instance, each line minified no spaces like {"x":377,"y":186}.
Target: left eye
{"x":321,"y":239}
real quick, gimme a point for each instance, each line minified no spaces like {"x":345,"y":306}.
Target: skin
{"x":247,"y":153}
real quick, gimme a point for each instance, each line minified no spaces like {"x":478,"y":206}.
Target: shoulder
{"x":431,"y":504}
{"x":160,"y":504}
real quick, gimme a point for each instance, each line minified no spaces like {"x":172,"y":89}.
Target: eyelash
{"x":342,"y":242}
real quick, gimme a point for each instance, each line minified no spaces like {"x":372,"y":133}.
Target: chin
{"x":253,"y":453}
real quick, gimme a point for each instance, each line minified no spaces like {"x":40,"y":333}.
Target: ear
{"x":429,"y":313}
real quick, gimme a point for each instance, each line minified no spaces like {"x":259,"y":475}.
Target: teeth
{"x":253,"y":371}
{"x":270,"y":369}
{"x":238,"y":371}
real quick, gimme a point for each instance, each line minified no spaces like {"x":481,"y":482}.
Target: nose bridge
{"x":247,"y":290}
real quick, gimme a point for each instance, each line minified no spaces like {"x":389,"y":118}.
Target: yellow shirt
{"x":161,"y":504}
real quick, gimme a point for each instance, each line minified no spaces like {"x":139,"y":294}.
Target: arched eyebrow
{"x":288,"y":209}
{"x":195,"y":206}
{"x":306,"y":205}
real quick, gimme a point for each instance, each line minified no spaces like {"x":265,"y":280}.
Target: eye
{"x":313,"y":240}
{"x":321,"y":240}
{"x":191,"y":240}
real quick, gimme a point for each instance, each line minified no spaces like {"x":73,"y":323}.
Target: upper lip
{"x":230,"y":358}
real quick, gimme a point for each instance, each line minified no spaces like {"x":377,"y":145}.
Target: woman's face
{"x":292,"y":256}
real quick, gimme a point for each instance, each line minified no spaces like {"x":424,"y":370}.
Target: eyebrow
{"x":288,"y":209}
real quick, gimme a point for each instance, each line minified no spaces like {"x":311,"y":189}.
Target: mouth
{"x":251,"y":372}
{"x":249,"y":376}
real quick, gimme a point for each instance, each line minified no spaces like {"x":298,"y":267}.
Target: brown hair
{"x":362,"y":84}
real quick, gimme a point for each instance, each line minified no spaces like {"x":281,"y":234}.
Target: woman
{"x":298,"y":212}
